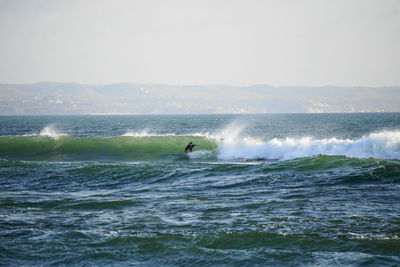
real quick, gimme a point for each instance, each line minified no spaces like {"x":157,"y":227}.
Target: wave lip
{"x":385,"y":145}
{"x":52,"y":132}
{"x":145,"y":133}
{"x":148,"y":133}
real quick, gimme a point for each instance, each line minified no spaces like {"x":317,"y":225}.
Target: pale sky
{"x":246,"y":42}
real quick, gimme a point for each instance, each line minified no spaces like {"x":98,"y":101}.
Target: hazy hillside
{"x":70,"y":98}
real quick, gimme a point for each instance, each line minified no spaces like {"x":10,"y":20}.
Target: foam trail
{"x":384,"y":145}
{"x":200,"y":154}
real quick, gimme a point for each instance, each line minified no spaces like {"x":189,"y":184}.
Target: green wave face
{"x":124,"y":148}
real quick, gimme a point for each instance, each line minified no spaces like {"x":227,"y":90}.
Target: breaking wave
{"x":227,"y":144}
{"x":49,"y":131}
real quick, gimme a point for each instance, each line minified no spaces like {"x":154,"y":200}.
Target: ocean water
{"x":259,"y":190}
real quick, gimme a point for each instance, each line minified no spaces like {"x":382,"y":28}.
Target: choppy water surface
{"x":295,"y":190}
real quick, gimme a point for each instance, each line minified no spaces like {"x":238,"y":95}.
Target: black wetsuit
{"x":189,"y":147}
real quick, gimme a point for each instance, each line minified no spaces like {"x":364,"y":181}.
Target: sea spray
{"x":51,"y":131}
{"x":146,"y":133}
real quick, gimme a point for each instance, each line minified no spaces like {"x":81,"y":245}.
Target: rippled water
{"x":295,"y":190}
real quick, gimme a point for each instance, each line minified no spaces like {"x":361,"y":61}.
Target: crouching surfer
{"x":190,"y":147}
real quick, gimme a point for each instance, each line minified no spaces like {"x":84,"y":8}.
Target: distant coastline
{"x":52,"y":98}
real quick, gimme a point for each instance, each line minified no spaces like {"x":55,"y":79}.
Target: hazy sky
{"x":282,"y":42}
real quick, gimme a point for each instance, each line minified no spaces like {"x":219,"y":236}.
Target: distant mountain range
{"x":48,"y":98}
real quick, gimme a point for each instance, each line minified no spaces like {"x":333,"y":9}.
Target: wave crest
{"x":52,"y":132}
{"x":228,"y":143}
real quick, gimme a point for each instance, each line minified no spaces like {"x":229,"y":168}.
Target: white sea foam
{"x":51,"y":131}
{"x":202,"y":154}
{"x":384,"y":145}
{"x":148,"y":133}
{"x":143,"y":133}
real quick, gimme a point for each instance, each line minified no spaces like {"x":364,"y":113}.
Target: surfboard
{"x":181,"y":156}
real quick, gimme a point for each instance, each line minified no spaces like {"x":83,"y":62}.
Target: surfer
{"x":189,"y":147}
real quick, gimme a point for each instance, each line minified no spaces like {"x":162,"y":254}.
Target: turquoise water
{"x":292,"y":190}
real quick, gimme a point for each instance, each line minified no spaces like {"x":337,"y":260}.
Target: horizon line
{"x":203,"y":114}
{"x":200,"y":85}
